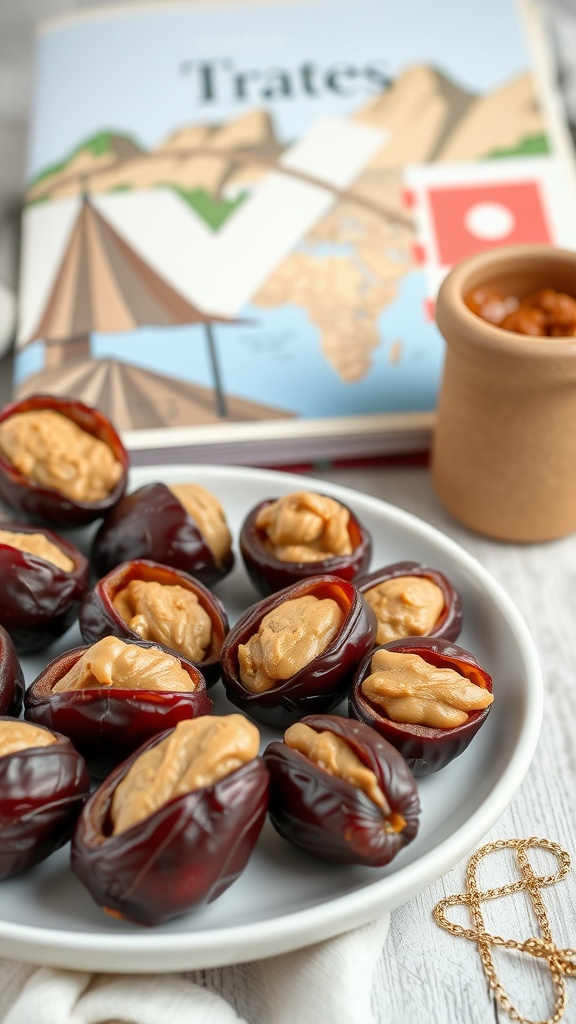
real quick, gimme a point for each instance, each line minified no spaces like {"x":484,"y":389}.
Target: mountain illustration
{"x":196,"y":160}
{"x":425,"y":115}
{"x":428,"y":118}
{"x":102,"y":150}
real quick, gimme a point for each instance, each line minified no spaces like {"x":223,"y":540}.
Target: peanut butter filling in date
{"x":113,"y":663}
{"x":335,"y":756}
{"x":208,"y":514}
{"x":53,"y":451}
{"x":305,"y":527}
{"x":288,"y":638}
{"x":405,"y":606}
{"x":195,"y":755}
{"x":37,"y":544}
{"x":166,"y":614}
{"x":412,"y":691}
{"x":15,"y":736}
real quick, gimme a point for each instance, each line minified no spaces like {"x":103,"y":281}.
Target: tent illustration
{"x":102,"y":285}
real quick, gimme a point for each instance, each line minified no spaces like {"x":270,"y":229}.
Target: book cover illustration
{"x":274,"y":254}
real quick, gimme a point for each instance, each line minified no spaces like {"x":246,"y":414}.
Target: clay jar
{"x":504,"y":458}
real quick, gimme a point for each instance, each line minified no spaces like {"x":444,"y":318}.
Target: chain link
{"x":561,"y":962}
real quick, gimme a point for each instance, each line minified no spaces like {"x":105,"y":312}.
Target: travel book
{"x":237,"y":215}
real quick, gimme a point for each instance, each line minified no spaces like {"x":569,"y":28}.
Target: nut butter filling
{"x":405,"y":606}
{"x":53,"y":451}
{"x":15,"y":736}
{"x":305,"y":527}
{"x":412,"y":691}
{"x":288,"y":638}
{"x":37,"y":544}
{"x":335,"y":756}
{"x":114,"y":663}
{"x":166,"y":614}
{"x":208,"y":514}
{"x":195,"y":755}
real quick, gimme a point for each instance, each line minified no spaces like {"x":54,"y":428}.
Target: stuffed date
{"x":11,"y":677}
{"x":143,"y":600}
{"x":172,"y":827}
{"x":411,"y":599}
{"x":112,"y":696}
{"x":182,"y":525}
{"x":283,"y":540}
{"x":44,"y":579}
{"x":44,"y":783}
{"x":297,"y":650}
{"x":426,"y":696}
{"x":340,"y":792}
{"x":60,"y":460}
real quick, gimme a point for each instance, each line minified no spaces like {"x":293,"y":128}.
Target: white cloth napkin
{"x":320,"y":984}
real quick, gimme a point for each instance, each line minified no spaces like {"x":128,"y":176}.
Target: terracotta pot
{"x":504,"y":447}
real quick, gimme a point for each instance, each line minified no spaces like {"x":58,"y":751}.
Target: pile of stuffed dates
{"x":119,"y":746}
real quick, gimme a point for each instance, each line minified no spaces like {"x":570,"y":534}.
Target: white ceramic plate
{"x":284,"y":899}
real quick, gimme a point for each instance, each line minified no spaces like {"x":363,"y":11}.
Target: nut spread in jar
{"x":546,"y":313}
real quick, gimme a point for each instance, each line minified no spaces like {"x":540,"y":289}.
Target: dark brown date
{"x":183,"y":856}
{"x":39,"y":600}
{"x":42,"y":791}
{"x":152,"y":524}
{"x":99,"y":617}
{"x":106,"y":724}
{"x":333,"y":819}
{"x":11,"y":678}
{"x":269,"y":573}
{"x":449,"y":622}
{"x":320,"y":685}
{"x":426,"y":749}
{"x":40,"y":502}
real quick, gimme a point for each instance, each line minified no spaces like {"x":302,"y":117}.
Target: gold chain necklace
{"x":561,"y":962}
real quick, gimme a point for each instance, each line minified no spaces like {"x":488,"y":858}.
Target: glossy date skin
{"x":42,"y":791}
{"x":269,"y":574}
{"x":44,"y":503}
{"x":140,"y":876}
{"x":99,"y":618}
{"x":107,"y":724}
{"x":321,"y":684}
{"x":425,"y":749}
{"x":332,"y":819}
{"x":11,"y":678}
{"x":39,"y":600}
{"x":152,"y":524}
{"x":449,"y":624}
